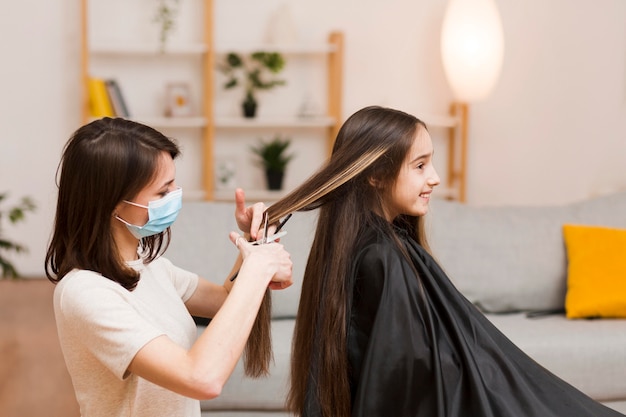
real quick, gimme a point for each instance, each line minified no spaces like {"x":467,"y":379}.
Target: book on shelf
{"x":120,"y":109}
{"x":99,"y":103}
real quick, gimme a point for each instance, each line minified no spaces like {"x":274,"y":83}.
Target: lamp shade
{"x":472,"y":47}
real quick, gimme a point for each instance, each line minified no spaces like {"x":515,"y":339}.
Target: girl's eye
{"x":420,"y":166}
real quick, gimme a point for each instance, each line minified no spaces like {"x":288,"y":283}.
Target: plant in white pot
{"x":251,"y":72}
{"x":274,"y":159}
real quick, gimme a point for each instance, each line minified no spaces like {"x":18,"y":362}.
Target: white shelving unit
{"x":142,"y":69}
{"x":132,"y":55}
{"x":312,"y":136}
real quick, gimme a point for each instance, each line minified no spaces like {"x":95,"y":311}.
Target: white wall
{"x":553,"y":130}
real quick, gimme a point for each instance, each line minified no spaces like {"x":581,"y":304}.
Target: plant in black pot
{"x":274,"y":159}
{"x":250,"y":72}
{"x":13,"y":214}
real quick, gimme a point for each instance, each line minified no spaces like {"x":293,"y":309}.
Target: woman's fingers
{"x":249,"y":219}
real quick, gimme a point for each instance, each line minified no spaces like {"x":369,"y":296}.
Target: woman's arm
{"x":209,"y":297}
{"x":202,"y":371}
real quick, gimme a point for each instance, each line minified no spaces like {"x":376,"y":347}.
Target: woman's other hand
{"x":249,"y":219}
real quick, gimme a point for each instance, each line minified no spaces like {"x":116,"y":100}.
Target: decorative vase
{"x":274,"y":180}
{"x":249,"y":107}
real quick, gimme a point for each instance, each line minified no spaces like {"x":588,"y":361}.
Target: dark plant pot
{"x":274,"y":180}
{"x":249,"y":108}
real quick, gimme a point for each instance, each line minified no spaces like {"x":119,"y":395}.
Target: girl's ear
{"x":374,"y":182}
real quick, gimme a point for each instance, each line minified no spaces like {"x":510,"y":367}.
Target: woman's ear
{"x":118,"y":208}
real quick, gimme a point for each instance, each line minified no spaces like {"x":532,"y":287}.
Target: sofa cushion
{"x":502,"y":258}
{"x":596,"y":272}
{"x":589,"y":354}
{"x":243,"y":393}
{"x":512,"y":258}
{"x":200,"y":244}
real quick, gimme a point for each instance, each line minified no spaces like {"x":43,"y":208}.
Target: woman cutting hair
{"x":123,"y":311}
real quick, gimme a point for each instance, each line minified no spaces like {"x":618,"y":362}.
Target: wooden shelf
{"x":252,"y":195}
{"x":147,"y":49}
{"x":173,"y":122}
{"x":297,"y":49}
{"x":258,"y":122}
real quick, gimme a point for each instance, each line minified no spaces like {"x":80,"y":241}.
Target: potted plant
{"x":14,"y":214}
{"x":165,"y":16}
{"x":274,"y":160}
{"x":249,"y":71}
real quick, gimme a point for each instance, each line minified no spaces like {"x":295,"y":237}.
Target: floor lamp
{"x":472,"y":48}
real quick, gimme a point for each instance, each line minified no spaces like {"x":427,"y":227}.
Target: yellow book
{"x":99,"y":102}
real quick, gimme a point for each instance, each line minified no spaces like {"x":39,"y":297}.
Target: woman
{"x":380,"y":329}
{"x":124,"y":312}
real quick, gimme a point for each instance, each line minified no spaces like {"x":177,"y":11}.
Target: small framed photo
{"x":177,"y":100}
{"x":226,"y":172}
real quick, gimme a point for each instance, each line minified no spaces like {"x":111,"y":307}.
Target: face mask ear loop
{"x":134,"y":204}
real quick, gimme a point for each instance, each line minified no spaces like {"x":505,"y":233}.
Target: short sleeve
{"x":184,"y":282}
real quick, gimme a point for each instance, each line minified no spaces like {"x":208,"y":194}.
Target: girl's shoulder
{"x":375,"y":246}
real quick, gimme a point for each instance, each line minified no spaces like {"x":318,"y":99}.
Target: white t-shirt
{"x":102,"y":326}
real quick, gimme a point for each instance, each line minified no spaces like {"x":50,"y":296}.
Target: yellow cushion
{"x":596,"y":271}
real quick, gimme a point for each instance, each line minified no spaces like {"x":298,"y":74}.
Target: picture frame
{"x":226,"y":171}
{"x":178,"y":99}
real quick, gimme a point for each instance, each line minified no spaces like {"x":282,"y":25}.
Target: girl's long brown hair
{"x":103,"y":163}
{"x":369,"y":149}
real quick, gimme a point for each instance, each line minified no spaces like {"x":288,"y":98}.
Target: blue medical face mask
{"x":161,"y":214}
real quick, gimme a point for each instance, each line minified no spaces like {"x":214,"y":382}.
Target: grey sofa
{"x":507,"y":260}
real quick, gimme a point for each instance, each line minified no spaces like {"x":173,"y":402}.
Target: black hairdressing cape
{"x":417,"y":347}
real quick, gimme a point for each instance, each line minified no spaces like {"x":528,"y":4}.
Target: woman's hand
{"x":249,"y":219}
{"x":271,"y":259}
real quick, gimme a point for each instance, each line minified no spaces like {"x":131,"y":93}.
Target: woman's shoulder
{"x":79,"y":279}
{"x":86,"y":287}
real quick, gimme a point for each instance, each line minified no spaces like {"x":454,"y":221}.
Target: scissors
{"x":277,"y":233}
{"x":265,"y":239}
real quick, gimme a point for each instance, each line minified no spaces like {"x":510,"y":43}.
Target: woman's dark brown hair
{"x":103,"y":163}
{"x":365,"y":162}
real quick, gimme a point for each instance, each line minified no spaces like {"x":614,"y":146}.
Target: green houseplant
{"x":274,"y":159}
{"x":165,"y":16}
{"x":13,"y":214}
{"x":250,"y":72}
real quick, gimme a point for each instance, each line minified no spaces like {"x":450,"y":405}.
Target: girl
{"x":381,"y":331}
{"x":123,"y":312}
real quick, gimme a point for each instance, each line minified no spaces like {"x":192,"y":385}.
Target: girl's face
{"x":163,"y":183}
{"x":411,"y":191}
